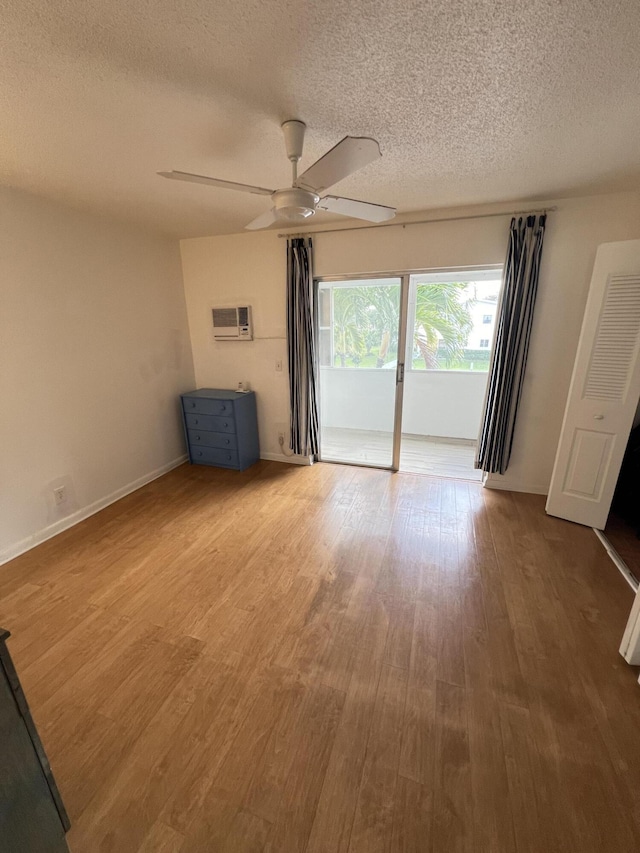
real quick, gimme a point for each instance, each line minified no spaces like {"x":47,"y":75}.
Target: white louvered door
{"x":604,"y":391}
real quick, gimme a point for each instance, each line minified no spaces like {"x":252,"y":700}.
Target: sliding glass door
{"x":405,"y":353}
{"x":450,"y":330}
{"x":361,"y":344}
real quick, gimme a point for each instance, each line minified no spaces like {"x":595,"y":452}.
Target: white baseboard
{"x":617,"y":560}
{"x":492,"y":482}
{"x":76,"y":517}
{"x":292,"y":460}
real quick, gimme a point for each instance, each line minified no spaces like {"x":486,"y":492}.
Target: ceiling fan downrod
{"x":293,"y":131}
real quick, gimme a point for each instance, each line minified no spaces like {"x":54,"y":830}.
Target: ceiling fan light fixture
{"x":295,"y":204}
{"x":295,"y":214}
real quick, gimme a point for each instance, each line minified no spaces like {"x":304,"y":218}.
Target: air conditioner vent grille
{"x":232,"y":324}
{"x":225,"y":317}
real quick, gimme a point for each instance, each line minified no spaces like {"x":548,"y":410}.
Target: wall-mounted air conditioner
{"x":232,"y":324}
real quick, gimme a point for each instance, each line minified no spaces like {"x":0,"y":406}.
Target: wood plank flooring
{"x":330,"y":659}
{"x":419,"y":454}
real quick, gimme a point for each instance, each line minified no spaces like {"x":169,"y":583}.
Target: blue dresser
{"x":221,"y":428}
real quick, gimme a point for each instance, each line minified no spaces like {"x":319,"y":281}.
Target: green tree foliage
{"x":365,"y":321}
{"x":443,"y":321}
{"x":350,"y":322}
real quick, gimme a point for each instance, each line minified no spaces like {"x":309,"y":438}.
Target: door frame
{"x":630,"y":646}
{"x":402,"y":346}
{"x":405,"y":277}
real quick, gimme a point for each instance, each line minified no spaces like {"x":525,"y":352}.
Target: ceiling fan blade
{"x":215,"y":182}
{"x":357,"y":209}
{"x":349,"y":155}
{"x":262,"y":221}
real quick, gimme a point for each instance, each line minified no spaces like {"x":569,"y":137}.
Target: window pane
{"x":324,"y":306}
{"x":454,"y":322}
{"x":365,"y":325}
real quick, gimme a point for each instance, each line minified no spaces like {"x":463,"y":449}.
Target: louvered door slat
{"x":617,"y":339}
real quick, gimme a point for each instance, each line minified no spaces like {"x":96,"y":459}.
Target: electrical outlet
{"x":281,"y":439}
{"x":59,"y":495}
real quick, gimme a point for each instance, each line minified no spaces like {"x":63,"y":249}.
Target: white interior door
{"x":604,"y":391}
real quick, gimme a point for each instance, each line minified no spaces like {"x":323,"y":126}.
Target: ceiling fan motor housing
{"x":293,"y":131}
{"x":295,"y":205}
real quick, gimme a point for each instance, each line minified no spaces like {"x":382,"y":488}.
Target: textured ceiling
{"x":471,"y":100}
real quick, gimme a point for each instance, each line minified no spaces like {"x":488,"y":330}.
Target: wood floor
{"x":330,"y":659}
{"x":419,"y":454}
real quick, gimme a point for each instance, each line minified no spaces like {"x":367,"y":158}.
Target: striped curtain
{"x":509,"y":357}
{"x":301,"y":317}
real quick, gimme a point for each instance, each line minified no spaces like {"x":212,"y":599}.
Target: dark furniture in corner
{"x":221,"y":427}
{"x":626,"y":499}
{"x":32,"y":817}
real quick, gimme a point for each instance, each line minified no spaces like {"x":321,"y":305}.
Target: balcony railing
{"x":444,"y":403}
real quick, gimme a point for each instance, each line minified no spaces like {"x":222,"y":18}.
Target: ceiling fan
{"x":303,"y":198}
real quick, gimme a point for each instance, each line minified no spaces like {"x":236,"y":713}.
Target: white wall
{"x":241,"y":269}
{"x":252,"y":267}
{"x":94,"y":350}
{"x":436,"y":402}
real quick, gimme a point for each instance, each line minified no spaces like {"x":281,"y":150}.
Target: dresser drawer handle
{"x":193,"y":405}
{"x":226,"y":424}
{"x":223,"y":409}
{"x":226,"y":441}
{"x":199,"y":453}
{"x":197,"y":438}
{"x":229,"y":457}
{"x":196,"y":422}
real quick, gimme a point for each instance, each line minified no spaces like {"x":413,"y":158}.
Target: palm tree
{"x":366,"y":314}
{"x":349,"y":322}
{"x":442,"y":321}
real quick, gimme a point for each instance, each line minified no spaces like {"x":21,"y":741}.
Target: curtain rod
{"x":421,"y":222}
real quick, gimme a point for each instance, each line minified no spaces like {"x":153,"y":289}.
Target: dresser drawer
{"x":214,"y":456}
{"x":207,"y":407}
{"x":210,"y":423}
{"x":224,"y":440}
